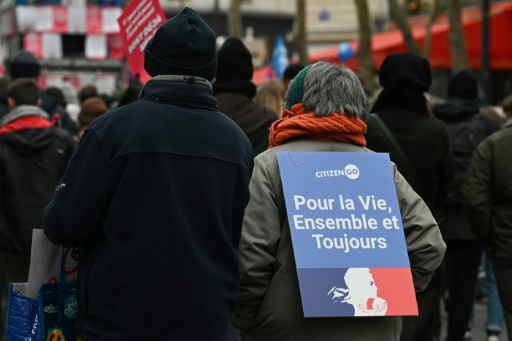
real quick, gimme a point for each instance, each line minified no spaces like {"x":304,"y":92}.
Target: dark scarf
{"x":238,"y":86}
{"x":405,"y":78}
{"x":299,"y":123}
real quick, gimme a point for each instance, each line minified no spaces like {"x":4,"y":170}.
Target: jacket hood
{"x":29,"y":141}
{"x":455,"y":110}
{"x":26,"y":129}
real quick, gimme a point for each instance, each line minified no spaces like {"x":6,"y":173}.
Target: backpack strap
{"x":401,"y":154}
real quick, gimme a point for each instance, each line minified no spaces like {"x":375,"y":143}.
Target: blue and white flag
{"x":279,"y":57}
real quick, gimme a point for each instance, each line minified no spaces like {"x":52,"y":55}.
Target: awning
{"x":390,"y":42}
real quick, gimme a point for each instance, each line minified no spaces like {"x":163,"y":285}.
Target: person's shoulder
{"x":265,"y":112}
{"x":62,"y":133}
{"x":437,"y":124}
{"x":116,"y":116}
{"x":230,"y":124}
{"x":503,"y":134}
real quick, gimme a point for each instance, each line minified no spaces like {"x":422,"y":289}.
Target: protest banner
{"x":138,"y":23}
{"x":347,"y":234}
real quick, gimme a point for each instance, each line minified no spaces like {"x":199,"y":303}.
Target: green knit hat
{"x":296,"y":89}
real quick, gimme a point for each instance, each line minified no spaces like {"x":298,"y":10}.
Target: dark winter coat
{"x":156,"y":193}
{"x":33,"y":157}
{"x":488,"y":192}
{"x":426,"y":144}
{"x":254,"y":119}
{"x":459,"y":115}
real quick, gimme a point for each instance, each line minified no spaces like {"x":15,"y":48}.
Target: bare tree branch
{"x":235,"y":19}
{"x":300,"y":37}
{"x":456,"y":37}
{"x":434,"y":12}
{"x":400,"y":20}
{"x":364,"y":51}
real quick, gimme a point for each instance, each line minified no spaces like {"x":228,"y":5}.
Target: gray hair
{"x":330,"y":88}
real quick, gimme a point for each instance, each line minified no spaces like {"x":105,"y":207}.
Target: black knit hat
{"x":463,"y":85}
{"x":292,"y":70}
{"x":24,"y":65}
{"x":235,"y":60}
{"x":183,"y":45}
{"x":405,"y":77}
{"x":407,"y":69}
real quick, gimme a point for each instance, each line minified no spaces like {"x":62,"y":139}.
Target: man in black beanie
{"x":25,"y":65}
{"x":467,"y":129}
{"x":155,"y":194}
{"x":235,"y":91}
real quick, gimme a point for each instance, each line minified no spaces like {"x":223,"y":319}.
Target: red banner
{"x":60,"y":19}
{"x":115,"y":46}
{"x":93,"y":20}
{"x":138,"y":23}
{"x":32,"y":42}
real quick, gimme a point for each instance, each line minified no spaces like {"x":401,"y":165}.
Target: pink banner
{"x":93,"y":20}
{"x":60,"y":19}
{"x":32,"y":42}
{"x":115,"y":46}
{"x":138,"y":23}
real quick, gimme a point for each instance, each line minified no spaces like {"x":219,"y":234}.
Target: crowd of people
{"x":173,"y":192}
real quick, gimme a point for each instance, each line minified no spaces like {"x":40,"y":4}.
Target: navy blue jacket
{"x":156,"y":193}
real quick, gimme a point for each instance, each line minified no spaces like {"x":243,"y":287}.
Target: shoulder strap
{"x":405,"y":160}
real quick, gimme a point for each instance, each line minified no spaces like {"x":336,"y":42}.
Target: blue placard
{"x":345,"y":221}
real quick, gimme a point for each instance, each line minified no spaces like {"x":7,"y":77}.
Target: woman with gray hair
{"x":325,"y":108}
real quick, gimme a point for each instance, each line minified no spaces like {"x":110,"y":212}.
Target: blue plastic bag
{"x":51,"y":317}
{"x":58,"y":308}
{"x":44,"y":309}
{"x":22,"y":321}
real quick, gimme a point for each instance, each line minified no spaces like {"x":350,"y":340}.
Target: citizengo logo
{"x":350,"y":171}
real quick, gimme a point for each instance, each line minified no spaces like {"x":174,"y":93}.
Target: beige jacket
{"x":269,"y":305}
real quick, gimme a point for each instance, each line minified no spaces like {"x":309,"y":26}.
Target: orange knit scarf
{"x":298,"y":123}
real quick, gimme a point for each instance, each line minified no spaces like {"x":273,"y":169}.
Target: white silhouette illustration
{"x":360,"y":288}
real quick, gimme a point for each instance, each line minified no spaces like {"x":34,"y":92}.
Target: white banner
{"x":109,"y":17}
{"x":52,"y":45}
{"x":96,"y":46}
{"x":76,"y":19}
{"x":44,"y":20}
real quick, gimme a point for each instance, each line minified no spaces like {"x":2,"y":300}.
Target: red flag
{"x":138,"y":23}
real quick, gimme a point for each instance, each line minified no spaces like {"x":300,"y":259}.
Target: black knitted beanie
{"x":24,"y":65}
{"x":463,"y":85}
{"x":183,"y":45}
{"x":235,"y":60}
